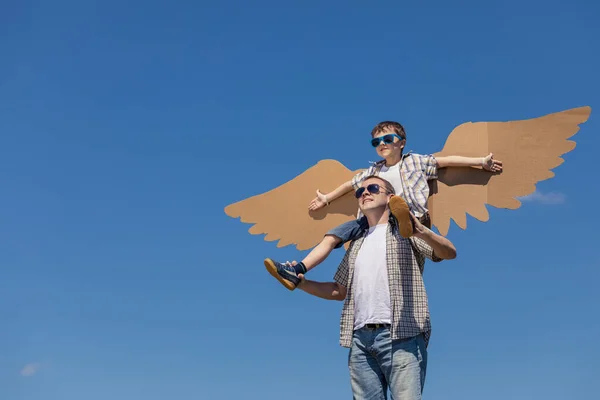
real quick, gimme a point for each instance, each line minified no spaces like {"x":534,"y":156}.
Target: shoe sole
{"x":270,"y":265}
{"x":400,"y":210}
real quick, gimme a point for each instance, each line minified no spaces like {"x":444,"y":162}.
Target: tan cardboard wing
{"x":528,"y":149}
{"x":283,"y":214}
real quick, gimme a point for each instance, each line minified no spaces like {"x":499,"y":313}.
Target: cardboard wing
{"x":529,"y":150}
{"x":283,"y":214}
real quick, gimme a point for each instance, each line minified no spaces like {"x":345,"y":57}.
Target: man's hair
{"x":386,"y":184}
{"x":385,"y":126}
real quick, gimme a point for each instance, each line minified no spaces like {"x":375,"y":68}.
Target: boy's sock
{"x":300,"y":268}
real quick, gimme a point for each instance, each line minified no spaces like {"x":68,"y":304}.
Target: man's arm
{"x":488,"y":163}
{"x":335,"y":290}
{"x":442,"y":247}
{"x":324,"y":290}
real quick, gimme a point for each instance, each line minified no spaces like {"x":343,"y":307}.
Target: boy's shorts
{"x":354,"y":229}
{"x":349,"y":231}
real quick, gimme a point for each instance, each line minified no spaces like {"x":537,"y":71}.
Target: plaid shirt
{"x":415,"y":172}
{"x":405,"y":264}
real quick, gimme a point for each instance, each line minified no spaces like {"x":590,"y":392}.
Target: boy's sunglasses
{"x":373,"y":188}
{"x":387,"y":139}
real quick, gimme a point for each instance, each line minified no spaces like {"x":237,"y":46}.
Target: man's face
{"x":370,"y":200}
{"x":385,"y":150}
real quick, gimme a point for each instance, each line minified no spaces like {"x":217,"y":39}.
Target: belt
{"x":376,"y":326}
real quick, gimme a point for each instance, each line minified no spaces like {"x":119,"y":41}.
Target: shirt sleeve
{"x":428,"y":166}
{"x":358,"y":178}
{"x":424,"y":249}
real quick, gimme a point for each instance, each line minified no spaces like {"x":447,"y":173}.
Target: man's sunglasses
{"x":387,"y":139}
{"x":373,"y":188}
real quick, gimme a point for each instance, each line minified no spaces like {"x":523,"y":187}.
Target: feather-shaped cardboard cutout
{"x":282,"y":213}
{"x":529,"y":150}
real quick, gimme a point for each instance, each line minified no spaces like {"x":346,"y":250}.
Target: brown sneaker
{"x":400,"y":210}
{"x":284,"y":273}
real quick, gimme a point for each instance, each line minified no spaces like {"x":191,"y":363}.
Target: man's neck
{"x":377,"y":217}
{"x":393,"y":160}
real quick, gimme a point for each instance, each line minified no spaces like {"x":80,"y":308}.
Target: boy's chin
{"x":385,"y":153}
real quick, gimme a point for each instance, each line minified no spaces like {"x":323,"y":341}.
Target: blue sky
{"x":125,"y":129}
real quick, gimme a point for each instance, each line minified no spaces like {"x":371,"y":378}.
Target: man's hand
{"x":318,"y":202}
{"x":324,"y":290}
{"x":442,"y":247}
{"x":489,"y":164}
{"x":300,"y":276}
{"x":302,"y":281}
{"x":418,"y":228}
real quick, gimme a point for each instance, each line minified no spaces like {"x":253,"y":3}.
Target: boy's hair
{"x":389,"y":125}
{"x":386,"y":184}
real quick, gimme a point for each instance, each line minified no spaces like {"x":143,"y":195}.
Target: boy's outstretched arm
{"x":488,"y":162}
{"x":323,"y":199}
{"x":324,"y":290}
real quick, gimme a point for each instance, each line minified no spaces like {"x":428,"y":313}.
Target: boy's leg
{"x":287,"y":273}
{"x":401,"y":212}
{"x":321,"y":251}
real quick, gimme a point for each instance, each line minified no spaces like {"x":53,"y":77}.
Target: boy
{"x":408,"y":173}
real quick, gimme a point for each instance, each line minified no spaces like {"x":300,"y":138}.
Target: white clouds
{"x":550,"y":198}
{"x":30,"y":369}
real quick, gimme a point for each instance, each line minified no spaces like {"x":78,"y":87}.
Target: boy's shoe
{"x":284,"y":273}
{"x":400,"y":210}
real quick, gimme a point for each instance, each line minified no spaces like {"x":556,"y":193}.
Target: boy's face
{"x":385,"y":150}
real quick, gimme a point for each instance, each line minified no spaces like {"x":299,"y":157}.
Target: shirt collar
{"x":382,"y":162}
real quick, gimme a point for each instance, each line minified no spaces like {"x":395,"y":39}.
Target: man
{"x":385,"y":318}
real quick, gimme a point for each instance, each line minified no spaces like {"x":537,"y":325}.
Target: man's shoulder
{"x":354,"y":245}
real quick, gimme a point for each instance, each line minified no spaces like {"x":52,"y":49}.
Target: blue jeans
{"x":350,"y":230}
{"x":377,"y":363}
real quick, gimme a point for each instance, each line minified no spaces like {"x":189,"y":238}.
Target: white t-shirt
{"x":392,"y":175}
{"x":372,"y":303}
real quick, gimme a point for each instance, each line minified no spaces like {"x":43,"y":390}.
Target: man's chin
{"x":370,"y":205}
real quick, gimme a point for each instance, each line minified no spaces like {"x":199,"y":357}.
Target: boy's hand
{"x":489,"y":164}
{"x":318,"y":202}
